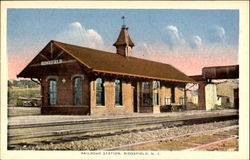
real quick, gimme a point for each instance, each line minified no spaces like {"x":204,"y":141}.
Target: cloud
{"x":175,"y":40}
{"x":76,"y":24}
{"x":143,"y":49}
{"x":173,"y":37}
{"x":190,"y":61}
{"x":94,"y":39}
{"x":195,"y":42}
{"x":216,"y":34}
{"x":75,"y":33}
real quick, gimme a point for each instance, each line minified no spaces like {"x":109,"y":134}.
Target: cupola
{"x":124,"y":43}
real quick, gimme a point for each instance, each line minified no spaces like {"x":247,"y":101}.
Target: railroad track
{"x":63,"y":132}
{"x":106,"y":120}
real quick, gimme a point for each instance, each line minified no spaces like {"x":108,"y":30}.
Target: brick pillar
{"x":42,"y":94}
{"x":138,"y":90}
{"x":201,"y":95}
{"x":185,"y":97}
{"x":109,"y":91}
{"x":45,"y":94}
{"x":159,"y":93}
{"x":92,"y":96}
{"x":162,"y":95}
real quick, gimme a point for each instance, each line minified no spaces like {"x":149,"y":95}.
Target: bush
{"x":13,"y":94}
{"x":191,"y":106}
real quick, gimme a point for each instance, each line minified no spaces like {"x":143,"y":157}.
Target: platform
{"x":45,"y":119}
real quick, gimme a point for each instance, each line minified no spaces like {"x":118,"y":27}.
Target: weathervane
{"x":123,"y":20}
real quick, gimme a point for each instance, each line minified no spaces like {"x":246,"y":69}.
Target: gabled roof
{"x":124,"y":38}
{"x":106,"y":62}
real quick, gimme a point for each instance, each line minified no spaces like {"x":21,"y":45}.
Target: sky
{"x":187,"y":39}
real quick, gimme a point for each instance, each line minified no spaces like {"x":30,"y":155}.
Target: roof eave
{"x":141,"y":76}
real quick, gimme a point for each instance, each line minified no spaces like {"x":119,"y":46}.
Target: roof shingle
{"x":101,"y":61}
{"x":124,"y":38}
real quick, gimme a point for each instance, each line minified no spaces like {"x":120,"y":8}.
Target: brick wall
{"x":65,"y":90}
{"x":65,"y":94}
{"x":179,"y":93}
{"x":110,"y":107}
{"x":68,"y":110}
{"x":166,"y":93}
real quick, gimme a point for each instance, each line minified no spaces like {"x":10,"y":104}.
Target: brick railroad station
{"x":79,"y":80}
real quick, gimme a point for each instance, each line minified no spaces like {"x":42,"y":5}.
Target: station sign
{"x":51,"y":62}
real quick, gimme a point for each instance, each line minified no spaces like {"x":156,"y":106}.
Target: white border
{"x":243,"y":6}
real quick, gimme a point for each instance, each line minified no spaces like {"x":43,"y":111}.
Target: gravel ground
{"x":128,"y":138}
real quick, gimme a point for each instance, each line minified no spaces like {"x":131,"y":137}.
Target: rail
{"x":114,"y":129}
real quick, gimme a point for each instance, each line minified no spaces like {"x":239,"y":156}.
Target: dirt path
{"x":208,"y":141}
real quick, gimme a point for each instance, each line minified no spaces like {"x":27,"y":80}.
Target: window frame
{"x":182,"y":100}
{"x":156,"y":84}
{"x":119,"y":94}
{"x":102,"y":103}
{"x":52,"y":93}
{"x":168,"y":101}
{"x":81,"y":94}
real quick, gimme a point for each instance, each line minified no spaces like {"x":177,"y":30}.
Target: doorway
{"x":236,"y":98}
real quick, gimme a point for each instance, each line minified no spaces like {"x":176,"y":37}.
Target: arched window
{"x":118,"y":92}
{"x":99,"y":92}
{"x":52,"y":91}
{"x":77,"y":91}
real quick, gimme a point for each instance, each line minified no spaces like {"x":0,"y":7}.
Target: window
{"x":168,"y":101}
{"x":156,"y":95}
{"x":182,"y":101}
{"x":146,"y":93}
{"x":156,"y":84}
{"x":156,"y":98}
{"x":77,"y":91}
{"x":52,"y":92}
{"x":99,"y":92}
{"x":172,"y":94}
{"x":118,"y":92}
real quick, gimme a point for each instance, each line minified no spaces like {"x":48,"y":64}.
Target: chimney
{"x":124,"y":43}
